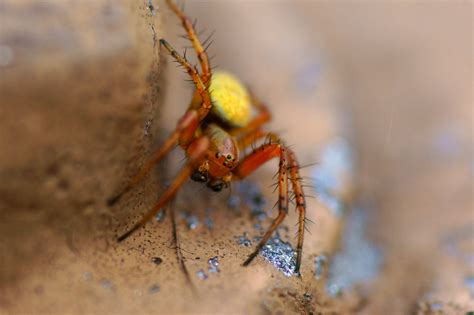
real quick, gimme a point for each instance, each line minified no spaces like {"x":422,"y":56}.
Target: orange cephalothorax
{"x":222,"y":157}
{"x":223,"y":151}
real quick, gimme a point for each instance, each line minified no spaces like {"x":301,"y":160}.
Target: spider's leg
{"x":252,"y":137}
{"x":179,"y":253}
{"x":200,"y":51}
{"x":201,"y":87}
{"x":253,"y":125}
{"x":250,"y":134}
{"x":295,"y":179}
{"x":183,"y":134}
{"x":288,"y":164}
{"x":252,"y":162}
{"x":196,"y":151}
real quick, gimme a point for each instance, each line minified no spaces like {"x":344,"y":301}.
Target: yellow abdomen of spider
{"x":231,"y":99}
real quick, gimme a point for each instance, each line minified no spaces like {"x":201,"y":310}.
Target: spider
{"x":217,"y":125}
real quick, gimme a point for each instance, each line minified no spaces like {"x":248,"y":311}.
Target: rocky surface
{"x":379,"y":94}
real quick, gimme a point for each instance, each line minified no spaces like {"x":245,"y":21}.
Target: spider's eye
{"x":199,"y":177}
{"x":229,"y":157}
{"x":217,"y":155}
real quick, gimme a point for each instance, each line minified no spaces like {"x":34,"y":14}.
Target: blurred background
{"x":377,"y":94}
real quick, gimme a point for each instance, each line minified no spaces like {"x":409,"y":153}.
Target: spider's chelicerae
{"x":216,"y":127}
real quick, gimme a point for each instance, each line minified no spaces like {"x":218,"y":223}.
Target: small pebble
{"x":244,"y":241}
{"x":213,"y":264}
{"x":157,"y":260}
{"x":154,"y":289}
{"x":151,"y":7}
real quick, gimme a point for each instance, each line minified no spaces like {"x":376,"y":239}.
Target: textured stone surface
{"x":82,"y":106}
